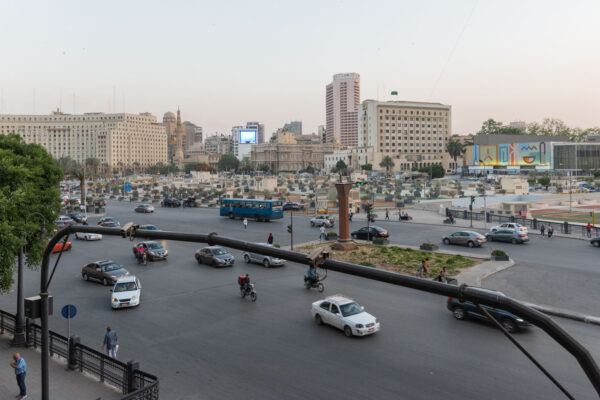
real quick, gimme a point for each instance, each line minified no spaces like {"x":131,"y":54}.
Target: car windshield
{"x":76,"y":215}
{"x":350,"y":309}
{"x":110,"y":267}
{"x":150,"y":227}
{"x":153,"y":246}
{"x":125,"y":287}
{"x":219,"y":252}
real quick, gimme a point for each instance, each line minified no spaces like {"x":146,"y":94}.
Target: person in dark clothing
{"x":270,"y":239}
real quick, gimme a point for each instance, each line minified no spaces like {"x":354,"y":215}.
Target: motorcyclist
{"x":141,"y":251}
{"x":312,"y":276}
{"x":246,"y":283}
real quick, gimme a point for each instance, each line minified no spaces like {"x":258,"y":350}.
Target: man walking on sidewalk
{"x":322,"y":236}
{"x":387,"y":215}
{"x":542,"y":228}
{"x":245,"y":223}
{"x":20,"y":367}
{"x":588,"y":230}
{"x":111,"y":342}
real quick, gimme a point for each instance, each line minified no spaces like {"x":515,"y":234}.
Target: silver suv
{"x":267,"y":261}
{"x":322,"y":220}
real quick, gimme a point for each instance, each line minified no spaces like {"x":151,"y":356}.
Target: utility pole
{"x":292,"y":233}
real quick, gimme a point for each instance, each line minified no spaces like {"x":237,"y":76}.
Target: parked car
{"x":509,"y":321}
{"x":126,"y":292}
{"x":144,"y":208}
{"x":465,"y":238}
{"x":149,"y":227}
{"x":109,"y":222}
{"x":216,"y":256}
{"x":78,"y":217}
{"x":507,"y":235}
{"x":64,"y":221}
{"x":190,"y":202}
{"x":512,"y":226}
{"x":322,"y":220}
{"x":105,"y":271}
{"x":88,"y":236}
{"x":595,"y":242}
{"x":370,"y":233}
{"x":345,"y":314}
{"x":170,"y":202}
{"x":153,"y":249}
{"x":291,"y":207}
{"x":62,"y":244}
{"x":267,"y":261}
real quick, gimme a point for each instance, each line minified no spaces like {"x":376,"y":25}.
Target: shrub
{"x":428,"y":244}
{"x":364,"y":253}
{"x":331,"y":234}
{"x":499,"y":253}
{"x":383,"y":250}
{"x":277,"y":246}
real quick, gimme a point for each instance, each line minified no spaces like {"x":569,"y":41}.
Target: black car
{"x":190,"y":202}
{"x":170,"y":202}
{"x":369,"y":233}
{"x":78,"y":217}
{"x":215,"y":256}
{"x":465,"y":310}
{"x":507,"y":235}
{"x":291,"y":207}
{"x":153,"y":250}
{"x":595,"y":242}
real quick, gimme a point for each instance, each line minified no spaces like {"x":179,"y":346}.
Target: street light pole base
{"x":19,"y":340}
{"x":344,"y":245}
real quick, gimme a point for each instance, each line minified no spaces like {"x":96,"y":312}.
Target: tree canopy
{"x":340,"y":167}
{"x":436,"y":171}
{"x":455,"y":149}
{"x":387,"y":163}
{"x":228,"y":162}
{"x":367,"y":167}
{"x":29,"y":182}
{"x":548,"y":127}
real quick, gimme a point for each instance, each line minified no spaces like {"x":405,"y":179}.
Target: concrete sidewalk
{"x":64,"y":385}
{"x":433,"y":218}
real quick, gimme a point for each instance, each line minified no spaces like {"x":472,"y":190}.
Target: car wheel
{"x":509,"y":325}
{"x":347,"y":331}
{"x":312,"y":224}
{"x":318,"y":320}
{"x":470,"y":244}
{"x":104,"y":282}
{"x":458,"y":312}
{"x":253,"y":296}
{"x":513,"y":241}
{"x":85,"y":277}
{"x":446,"y":241}
{"x":231,"y":216}
{"x":266,"y":263}
{"x":320,"y":287}
{"x":596,"y":244}
{"x":247,"y":258}
{"x":490,"y":238}
{"x":214,"y":264}
{"x":353,"y":236}
{"x":198,"y":259}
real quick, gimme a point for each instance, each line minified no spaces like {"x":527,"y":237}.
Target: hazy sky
{"x":227,"y":62}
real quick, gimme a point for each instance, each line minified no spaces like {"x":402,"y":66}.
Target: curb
{"x":478,"y":273}
{"x":559,"y":312}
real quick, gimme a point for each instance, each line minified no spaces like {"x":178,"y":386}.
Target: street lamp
{"x":19,"y":336}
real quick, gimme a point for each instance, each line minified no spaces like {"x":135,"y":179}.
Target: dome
{"x":169,"y":116}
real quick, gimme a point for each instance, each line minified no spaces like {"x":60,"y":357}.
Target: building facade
{"x":260,"y":129}
{"x":342,"y":97}
{"x":120,"y":140}
{"x":291,"y":156}
{"x":294,"y":126}
{"x":218,"y":144}
{"x":354,"y":158}
{"x":170,"y":123}
{"x":413,"y":134}
{"x":193,"y":135}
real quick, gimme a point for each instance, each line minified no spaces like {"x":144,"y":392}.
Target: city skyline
{"x":508,"y":61}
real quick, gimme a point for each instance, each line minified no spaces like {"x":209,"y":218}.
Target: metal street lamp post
{"x":19,"y":336}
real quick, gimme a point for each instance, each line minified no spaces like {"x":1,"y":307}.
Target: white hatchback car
{"x":345,"y":314}
{"x":513,"y":226}
{"x":88,"y":236}
{"x":322,"y":220}
{"x":126,"y":292}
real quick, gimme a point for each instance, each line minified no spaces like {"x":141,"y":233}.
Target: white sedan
{"x":88,"y":236}
{"x":344,"y":314}
{"x":126,"y":292}
{"x":513,"y":226}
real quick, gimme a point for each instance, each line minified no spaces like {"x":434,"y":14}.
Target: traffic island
{"x":398,"y":259}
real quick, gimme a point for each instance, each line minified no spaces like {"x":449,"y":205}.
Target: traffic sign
{"x":69,"y":311}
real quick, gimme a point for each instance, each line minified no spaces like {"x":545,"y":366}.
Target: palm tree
{"x":387,"y":163}
{"x":455,"y":149}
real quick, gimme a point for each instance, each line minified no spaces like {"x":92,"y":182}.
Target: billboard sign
{"x":248,"y":136}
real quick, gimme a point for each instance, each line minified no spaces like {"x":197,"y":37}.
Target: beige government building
{"x":413,"y":134}
{"x":120,"y":140}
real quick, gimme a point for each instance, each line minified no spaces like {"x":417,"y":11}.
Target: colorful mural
{"x":508,"y":154}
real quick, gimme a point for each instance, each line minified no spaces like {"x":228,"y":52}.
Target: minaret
{"x":178,"y":159}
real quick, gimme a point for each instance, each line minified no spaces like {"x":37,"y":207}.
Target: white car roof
{"x":127,"y":278}
{"x":339,"y":299}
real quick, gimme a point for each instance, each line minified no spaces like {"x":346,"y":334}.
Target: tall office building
{"x":413,"y":134}
{"x":342,"y":97}
{"x":116,"y":139}
{"x":294,"y":126}
{"x":260,"y":129}
{"x":322,"y":133}
{"x":218,"y":144}
{"x":193,"y":135}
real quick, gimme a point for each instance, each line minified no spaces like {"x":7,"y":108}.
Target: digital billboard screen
{"x":248,"y":136}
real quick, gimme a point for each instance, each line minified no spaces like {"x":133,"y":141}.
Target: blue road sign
{"x":127,"y":187}
{"x":69,"y":311}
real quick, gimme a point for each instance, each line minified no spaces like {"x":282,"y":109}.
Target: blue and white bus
{"x":260,"y":210}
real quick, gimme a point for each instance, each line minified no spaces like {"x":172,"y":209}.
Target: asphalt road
{"x":204,"y":342}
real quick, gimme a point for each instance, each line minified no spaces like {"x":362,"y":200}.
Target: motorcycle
{"x":248,"y":292}
{"x":313,"y":285}
{"x":143,"y":258}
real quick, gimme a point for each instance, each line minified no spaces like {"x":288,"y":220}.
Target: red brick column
{"x":343,"y":243}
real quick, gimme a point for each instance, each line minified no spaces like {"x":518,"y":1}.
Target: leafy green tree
{"x":228,"y":162}
{"x":263,"y":168}
{"x":367,"y":167}
{"x":544,"y":181}
{"x":436,"y":171}
{"x":29,"y":182}
{"x":309,"y":170}
{"x":455,"y":149}
{"x":387,"y":163}
{"x":340,"y":166}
